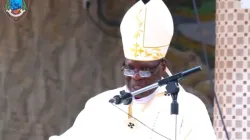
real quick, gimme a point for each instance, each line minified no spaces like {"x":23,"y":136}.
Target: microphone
{"x":179,"y":76}
{"x":125,"y":96}
{"x":115,"y":100}
{"x":173,"y":78}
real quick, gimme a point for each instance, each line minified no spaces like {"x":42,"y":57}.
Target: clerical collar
{"x":144,"y":99}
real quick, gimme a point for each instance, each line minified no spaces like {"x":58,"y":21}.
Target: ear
{"x":164,"y":64}
{"x":163,"y":67}
{"x":124,"y":61}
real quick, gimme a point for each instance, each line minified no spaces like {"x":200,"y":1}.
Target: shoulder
{"x":96,"y":103}
{"x":192,"y":101}
{"x":191,"y":97}
{"x":103,"y":98}
{"x":192,"y":107}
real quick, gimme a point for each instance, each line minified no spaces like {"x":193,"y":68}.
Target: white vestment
{"x":100,"y":120}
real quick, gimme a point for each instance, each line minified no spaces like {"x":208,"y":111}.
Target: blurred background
{"x":62,"y":53}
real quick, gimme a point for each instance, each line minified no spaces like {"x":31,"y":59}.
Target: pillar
{"x":232,"y":70}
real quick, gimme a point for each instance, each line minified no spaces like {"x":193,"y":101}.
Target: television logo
{"x":16,"y":10}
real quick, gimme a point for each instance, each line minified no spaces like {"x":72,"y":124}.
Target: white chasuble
{"x":150,"y":121}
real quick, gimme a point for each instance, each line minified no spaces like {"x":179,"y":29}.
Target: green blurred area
{"x":206,"y":8}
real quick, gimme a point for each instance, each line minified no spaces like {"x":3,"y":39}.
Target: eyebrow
{"x":145,"y":65}
{"x":142,"y":66}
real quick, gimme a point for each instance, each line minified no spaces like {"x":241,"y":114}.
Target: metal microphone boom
{"x":126,"y":97}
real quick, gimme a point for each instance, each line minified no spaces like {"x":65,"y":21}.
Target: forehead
{"x":134,"y":63}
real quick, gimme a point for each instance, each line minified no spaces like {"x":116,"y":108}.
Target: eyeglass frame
{"x":152,"y":72}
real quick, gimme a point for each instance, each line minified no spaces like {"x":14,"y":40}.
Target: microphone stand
{"x":127,"y":97}
{"x":172,"y":88}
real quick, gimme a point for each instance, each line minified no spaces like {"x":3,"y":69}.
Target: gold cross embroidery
{"x":137,"y":49}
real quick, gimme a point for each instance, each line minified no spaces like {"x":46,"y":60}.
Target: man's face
{"x":142,"y":74}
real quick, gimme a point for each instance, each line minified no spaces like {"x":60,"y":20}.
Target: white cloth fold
{"x":101,"y":120}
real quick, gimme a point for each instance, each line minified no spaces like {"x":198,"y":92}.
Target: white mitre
{"x":147,"y":31}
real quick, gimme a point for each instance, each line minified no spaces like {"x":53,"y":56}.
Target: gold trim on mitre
{"x":147,"y":31}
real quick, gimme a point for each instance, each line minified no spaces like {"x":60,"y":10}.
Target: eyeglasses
{"x":142,"y":73}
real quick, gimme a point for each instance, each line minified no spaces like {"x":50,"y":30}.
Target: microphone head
{"x":116,"y":100}
{"x":111,"y":101}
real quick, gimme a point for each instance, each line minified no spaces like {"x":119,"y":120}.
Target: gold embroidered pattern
{"x":131,"y":122}
{"x":138,"y":48}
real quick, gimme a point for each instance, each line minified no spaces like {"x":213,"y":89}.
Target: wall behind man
{"x":56,"y":58}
